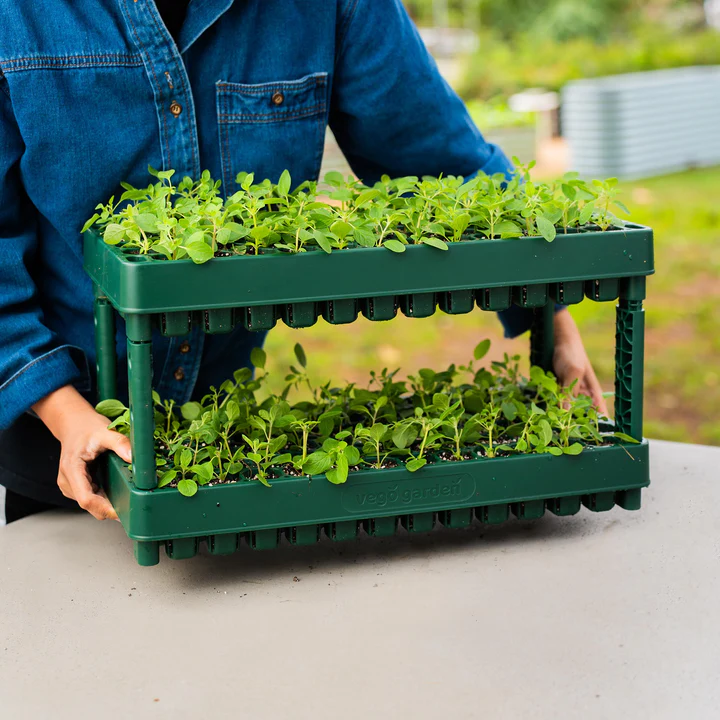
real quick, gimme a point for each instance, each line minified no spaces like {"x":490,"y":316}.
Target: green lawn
{"x":682,"y":357}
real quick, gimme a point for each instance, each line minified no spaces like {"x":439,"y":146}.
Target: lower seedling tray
{"x":301,"y":508}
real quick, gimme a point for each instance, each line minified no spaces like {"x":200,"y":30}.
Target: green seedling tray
{"x":257,"y":291}
{"x":585,"y":262}
{"x":376,"y":500}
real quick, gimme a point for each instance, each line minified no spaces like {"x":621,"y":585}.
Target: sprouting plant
{"x":232,"y":434}
{"x":607,"y":193}
{"x":192,"y":220}
{"x":373,"y":439}
{"x":334,"y":459}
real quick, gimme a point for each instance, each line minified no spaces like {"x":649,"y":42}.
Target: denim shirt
{"x":94,"y":91}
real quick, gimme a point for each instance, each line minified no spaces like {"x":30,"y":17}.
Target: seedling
{"x":232,"y":435}
{"x":191,"y":220}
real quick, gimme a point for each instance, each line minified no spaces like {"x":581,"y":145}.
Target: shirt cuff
{"x":497,"y":162}
{"x":39,"y":378}
{"x":517,"y":320}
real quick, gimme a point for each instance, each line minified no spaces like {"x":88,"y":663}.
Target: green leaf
{"x":300,"y":355}
{"x":546,"y":228}
{"x":574,"y":449}
{"x":114,"y":234}
{"x":364,"y":237}
{"x":625,"y":438}
{"x":341,"y":228}
{"x":110,"y":408}
{"x":199,"y":251}
{"x":186,"y":457}
{"x":377,"y":431}
{"x":260,"y":232}
{"x":340,"y":474}
{"x":352,"y":454}
{"x":545,"y":431}
{"x":460,"y":223}
{"x":404,"y":435}
{"x":586,"y":214}
{"x":191,"y":410}
{"x":415,"y":464}
{"x":395,"y":245}
{"x":481,"y":349}
{"x":554,"y":451}
{"x":435,"y":242}
{"x":322,"y":240}
{"x":204,"y":470}
{"x":284,"y":183}
{"x":317,"y":463}
{"x":258,"y":358}
{"x":121,"y":420}
{"x":90,"y":223}
{"x":188,"y":488}
{"x":232,"y":410}
{"x":509,"y":410}
{"x":334,"y":178}
{"x":147,"y":222}
{"x":441,"y":401}
{"x":166,"y":478}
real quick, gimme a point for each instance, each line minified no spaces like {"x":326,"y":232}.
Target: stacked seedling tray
{"x":258,"y":291}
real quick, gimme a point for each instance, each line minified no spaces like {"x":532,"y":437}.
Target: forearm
{"x":64,"y":409}
{"x":566,"y":329}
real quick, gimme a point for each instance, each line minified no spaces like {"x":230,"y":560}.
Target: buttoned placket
{"x":179,"y":147}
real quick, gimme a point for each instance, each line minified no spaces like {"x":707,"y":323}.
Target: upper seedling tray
{"x":143,"y":284}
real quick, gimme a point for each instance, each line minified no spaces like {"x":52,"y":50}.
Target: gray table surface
{"x":611,"y":615}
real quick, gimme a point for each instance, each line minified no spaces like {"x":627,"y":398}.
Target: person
{"x":94,"y":91}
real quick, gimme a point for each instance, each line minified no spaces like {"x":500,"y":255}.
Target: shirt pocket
{"x":270,"y":127}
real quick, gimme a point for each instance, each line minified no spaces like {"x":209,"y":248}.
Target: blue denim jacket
{"x":92,"y":91}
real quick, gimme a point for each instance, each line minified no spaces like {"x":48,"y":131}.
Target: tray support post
{"x":629,"y":357}
{"x":105,"y":350}
{"x":142,"y":429}
{"x":542,"y":337}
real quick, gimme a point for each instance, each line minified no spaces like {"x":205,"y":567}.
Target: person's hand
{"x":571,"y":362}
{"x":83,"y":435}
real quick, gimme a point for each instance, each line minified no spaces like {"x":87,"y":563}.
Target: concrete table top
{"x":612,"y":615}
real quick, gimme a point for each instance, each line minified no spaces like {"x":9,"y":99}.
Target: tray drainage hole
{"x":487,"y":296}
{"x":217,"y":504}
{"x":524,"y":294}
{"x":597,"y":289}
{"x":561,"y":293}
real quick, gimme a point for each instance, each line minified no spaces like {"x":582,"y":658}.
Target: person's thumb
{"x":119,"y":444}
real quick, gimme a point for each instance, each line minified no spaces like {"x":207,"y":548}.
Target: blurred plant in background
{"x":498,"y":69}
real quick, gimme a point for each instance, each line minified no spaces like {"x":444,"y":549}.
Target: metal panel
{"x":643,"y":124}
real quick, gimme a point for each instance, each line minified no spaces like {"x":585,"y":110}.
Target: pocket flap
{"x":272,"y":102}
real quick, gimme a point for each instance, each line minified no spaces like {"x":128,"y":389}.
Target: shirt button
{"x":179,"y":374}
{"x":278,"y":98}
{"x":175,"y":108}
{"x":185,"y":348}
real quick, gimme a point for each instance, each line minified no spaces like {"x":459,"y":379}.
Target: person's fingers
{"x":595,"y":392}
{"x":64,"y":486}
{"x":572,"y":374}
{"x":119,"y":444}
{"x":567,"y":375}
{"x":78,"y":479}
{"x":103,"y":494}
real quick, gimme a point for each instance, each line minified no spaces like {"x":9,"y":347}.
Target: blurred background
{"x":557,"y":81}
